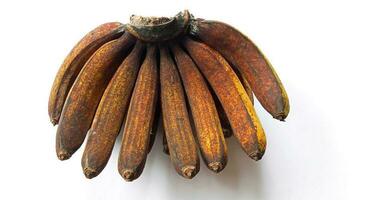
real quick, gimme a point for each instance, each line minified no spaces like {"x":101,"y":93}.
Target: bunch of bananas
{"x":198,"y":76}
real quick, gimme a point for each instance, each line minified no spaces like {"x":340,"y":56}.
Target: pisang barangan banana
{"x":74,"y":62}
{"x":140,"y":117}
{"x":84,"y":96}
{"x":110,"y":113}
{"x":208,"y":129}
{"x":241,"y":52}
{"x":238,"y":107}
{"x":181,"y":143}
{"x":196,"y":78}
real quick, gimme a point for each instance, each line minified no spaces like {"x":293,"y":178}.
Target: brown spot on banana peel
{"x":208,"y":129}
{"x":110,"y":114}
{"x":139,"y":120}
{"x":84,"y":96}
{"x":74,"y":62}
{"x":242,"y":53}
{"x":245,"y":124}
{"x":181,"y":143}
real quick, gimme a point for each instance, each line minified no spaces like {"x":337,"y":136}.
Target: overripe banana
{"x":110,"y":113}
{"x":241,"y":52}
{"x":233,"y":97}
{"x":197,"y":78}
{"x":181,"y":143}
{"x":140,"y":116}
{"x":74,"y":62}
{"x":84,"y":96}
{"x":208,"y":129}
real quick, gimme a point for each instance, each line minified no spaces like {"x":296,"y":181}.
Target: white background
{"x":319,"y":49}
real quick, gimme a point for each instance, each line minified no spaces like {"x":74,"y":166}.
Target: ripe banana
{"x":206,"y":66}
{"x":139,"y":121}
{"x":208,"y":129}
{"x":74,"y":62}
{"x":235,"y":101}
{"x":242,"y":53}
{"x":110,"y":114}
{"x":181,"y":143}
{"x":84,"y":96}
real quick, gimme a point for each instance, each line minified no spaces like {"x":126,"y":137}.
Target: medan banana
{"x":208,"y":129}
{"x":181,"y":143}
{"x":245,"y":124}
{"x":84,"y":96}
{"x":196,"y":78}
{"x":139,"y":121}
{"x":74,"y":62}
{"x":241,"y":52}
{"x":110,"y":114}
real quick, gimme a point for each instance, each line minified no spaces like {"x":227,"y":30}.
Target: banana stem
{"x":158,"y":29}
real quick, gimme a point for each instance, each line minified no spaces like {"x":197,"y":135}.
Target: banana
{"x":204,"y":114}
{"x":84,"y":96}
{"x":139,"y":120}
{"x":110,"y":114}
{"x":181,"y":143}
{"x":74,"y":62}
{"x":242,"y":53}
{"x":245,"y":124}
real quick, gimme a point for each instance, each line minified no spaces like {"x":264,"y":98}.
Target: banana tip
{"x":281,"y":117}
{"x":216,"y":166}
{"x":90,"y":173}
{"x":188,"y":172}
{"x":63,"y":155}
{"x":128,"y":175}
{"x":257,"y":155}
{"x":53,"y":121}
